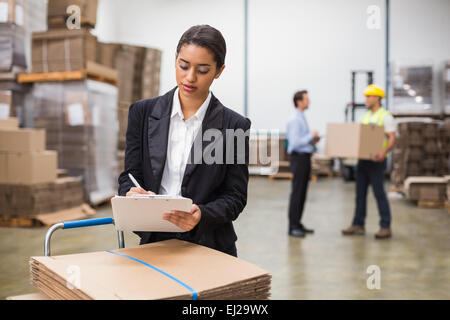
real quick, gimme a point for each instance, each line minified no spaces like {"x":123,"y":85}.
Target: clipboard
{"x":145,"y":212}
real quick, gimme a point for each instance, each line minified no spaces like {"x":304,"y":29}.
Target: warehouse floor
{"x":414,"y":264}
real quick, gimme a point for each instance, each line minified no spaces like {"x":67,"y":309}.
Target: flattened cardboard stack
{"x":138,"y":67}
{"x":62,"y":50}
{"x":81,"y":122}
{"x":30,"y":200}
{"x":426,"y":188}
{"x":421,"y":150}
{"x":110,"y":275}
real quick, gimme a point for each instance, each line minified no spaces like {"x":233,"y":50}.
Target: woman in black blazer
{"x":161,"y":155}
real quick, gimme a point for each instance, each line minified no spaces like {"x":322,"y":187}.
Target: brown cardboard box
{"x":57,"y":12}
{"x":12,"y":11}
{"x":22,"y":140}
{"x":106,"y":53}
{"x":353,"y":140}
{"x":219,"y":276}
{"x":62,"y":50}
{"x":28,"y":168}
{"x":10,"y":123}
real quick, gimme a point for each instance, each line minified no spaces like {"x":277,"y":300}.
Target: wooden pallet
{"x":430,"y":204}
{"x":315,"y":176}
{"x":47,"y":219}
{"x":397,"y":190}
{"x":281,"y":175}
{"x":93,"y":71}
{"x":447,"y":207}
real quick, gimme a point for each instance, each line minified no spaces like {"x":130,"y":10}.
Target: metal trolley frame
{"x":79,"y":224}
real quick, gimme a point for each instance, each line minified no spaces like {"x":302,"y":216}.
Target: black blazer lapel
{"x":158,"y":132}
{"x":213,"y":120}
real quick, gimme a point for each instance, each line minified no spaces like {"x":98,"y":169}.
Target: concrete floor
{"x":414,"y":264}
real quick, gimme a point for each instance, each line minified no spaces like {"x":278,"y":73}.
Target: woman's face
{"x":196,"y":69}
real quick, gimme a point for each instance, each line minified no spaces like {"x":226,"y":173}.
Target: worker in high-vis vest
{"x":371,"y":172}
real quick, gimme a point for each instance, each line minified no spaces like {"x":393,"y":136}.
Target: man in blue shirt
{"x":301,"y":145}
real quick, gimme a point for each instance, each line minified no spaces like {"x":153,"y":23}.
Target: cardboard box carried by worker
{"x":353,"y":140}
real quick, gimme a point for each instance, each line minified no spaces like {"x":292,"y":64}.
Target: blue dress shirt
{"x":298,"y":134}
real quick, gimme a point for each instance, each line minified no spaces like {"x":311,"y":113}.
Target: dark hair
{"x":207,"y":37}
{"x":299,"y":96}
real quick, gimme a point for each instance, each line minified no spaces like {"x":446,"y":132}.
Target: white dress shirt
{"x":181,"y":137}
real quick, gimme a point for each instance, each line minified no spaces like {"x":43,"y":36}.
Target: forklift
{"x":348,"y":166}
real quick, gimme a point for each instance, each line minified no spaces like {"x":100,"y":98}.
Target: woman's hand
{"x":133,"y":191}
{"x":185,"y":220}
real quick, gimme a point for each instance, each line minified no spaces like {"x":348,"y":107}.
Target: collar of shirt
{"x":176,"y":107}
{"x":299,"y":113}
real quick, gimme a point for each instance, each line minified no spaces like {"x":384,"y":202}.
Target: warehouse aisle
{"x":322,"y":266}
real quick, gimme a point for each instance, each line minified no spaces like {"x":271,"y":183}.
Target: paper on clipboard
{"x":145,"y":212}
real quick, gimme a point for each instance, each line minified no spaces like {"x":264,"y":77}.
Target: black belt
{"x":295,"y":153}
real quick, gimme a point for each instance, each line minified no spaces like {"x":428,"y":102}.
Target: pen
{"x":134,"y":181}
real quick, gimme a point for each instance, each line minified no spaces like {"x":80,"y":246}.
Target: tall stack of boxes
{"x":421,"y":150}
{"x":12,"y":35}
{"x":80,"y":116}
{"x":81,"y":123}
{"x":13,"y":30}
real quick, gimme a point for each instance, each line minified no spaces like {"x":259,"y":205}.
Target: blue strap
{"x":87,"y":223}
{"x":194,"y":293}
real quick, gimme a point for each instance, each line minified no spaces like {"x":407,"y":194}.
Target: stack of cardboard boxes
{"x":29,"y":185}
{"x":66,"y":46}
{"x":12,"y":35}
{"x":80,"y":116}
{"x":421,"y":149}
{"x":13,"y":31}
{"x":81,"y":123}
{"x":138,"y":71}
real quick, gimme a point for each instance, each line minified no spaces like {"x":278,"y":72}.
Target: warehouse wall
{"x":292,"y":45}
{"x":160,"y":24}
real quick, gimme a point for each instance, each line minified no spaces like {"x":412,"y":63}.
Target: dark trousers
{"x":371,"y":172}
{"x":301,"y":168}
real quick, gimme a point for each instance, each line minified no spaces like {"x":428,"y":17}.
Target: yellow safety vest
{"x":376,"y":118}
